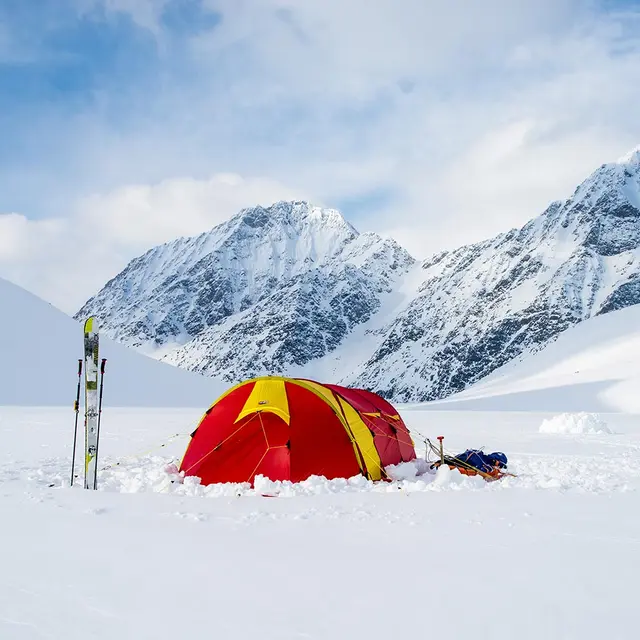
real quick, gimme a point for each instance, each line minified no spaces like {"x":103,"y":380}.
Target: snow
{"x":551,"y":553}
{"x":592,"y":366}
{"x":575,"y":423}
{"x":40,"y":347}
{"x":631,"y":157}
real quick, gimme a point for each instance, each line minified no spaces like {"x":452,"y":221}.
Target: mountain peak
{"x":175,"y":291}
{"x":612,"y":190}
{"x":631,"y":157}
{"x":296,"y":213}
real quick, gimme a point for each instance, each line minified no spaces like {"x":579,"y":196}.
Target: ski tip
{"x":91,"y":325}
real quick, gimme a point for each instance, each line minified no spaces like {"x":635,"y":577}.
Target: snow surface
{"x":39,"y":351}
{"x":575,"y":423}
{"x":551,"y":553}
{"x":593,"y":366}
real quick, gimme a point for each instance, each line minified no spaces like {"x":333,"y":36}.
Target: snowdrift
{"x":40,"y":347}
{"x":575,"y":424}
{"x":593,"y":367}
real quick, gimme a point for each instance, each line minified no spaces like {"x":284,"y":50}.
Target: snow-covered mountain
{"x":482,"y":305}
{"x":39,"y":348}
{"x":269,"y":289}
{"x":295,"y":288}
{"x":592,"y":366}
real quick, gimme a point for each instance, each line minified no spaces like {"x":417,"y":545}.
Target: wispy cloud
{"x":438,"y":122}
{"x":64,"y":258}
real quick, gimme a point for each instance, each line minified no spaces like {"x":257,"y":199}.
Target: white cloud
{"x":567,"y":112}
{"x":65,"y":260}
{"x":332,"y":48}
{"x":506,"y":105}
{"x":473,"y":115}
{"x":139,"y":216}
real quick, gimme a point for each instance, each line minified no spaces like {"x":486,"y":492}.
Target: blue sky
{"x":440,"y":123}
{"x":63,"y":65}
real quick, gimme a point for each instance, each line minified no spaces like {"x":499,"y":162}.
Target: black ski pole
{"x":102,"y":368}
{"x":76,"y":408}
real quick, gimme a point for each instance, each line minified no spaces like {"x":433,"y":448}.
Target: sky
{"x":127,"y":123}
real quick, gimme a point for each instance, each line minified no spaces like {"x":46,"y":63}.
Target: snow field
{"x":552,"y":553}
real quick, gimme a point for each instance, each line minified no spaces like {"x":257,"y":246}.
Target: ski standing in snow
{"x":91,"y":352}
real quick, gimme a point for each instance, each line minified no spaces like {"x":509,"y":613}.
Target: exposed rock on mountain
{"x":292,"y":287}
{"x":269,"y":288}
{"x":484,"y":304}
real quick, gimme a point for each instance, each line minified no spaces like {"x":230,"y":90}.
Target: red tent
{"x":290,"y":429}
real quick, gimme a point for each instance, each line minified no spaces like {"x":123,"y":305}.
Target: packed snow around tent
{"x":574,"y":462}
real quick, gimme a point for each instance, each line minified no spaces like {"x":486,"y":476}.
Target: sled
{"x":473,"y":462}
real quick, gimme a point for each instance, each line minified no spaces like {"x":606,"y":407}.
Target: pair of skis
{"x":92,"y":404}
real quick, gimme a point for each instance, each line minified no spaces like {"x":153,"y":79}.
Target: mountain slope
{"x":295,"y":289}
{"x":174,"y":291}
{"x":482,"y":305}
{"x":268,"y":289}
{"x":40,"y":346}
{"x":305,"y":319}
{"x":592,"y":366}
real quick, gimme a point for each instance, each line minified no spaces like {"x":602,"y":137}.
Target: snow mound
{"x":575,"y":423}
{"x":156,"y":474}
{"x":407,"y":470}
